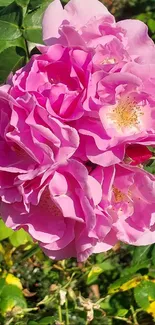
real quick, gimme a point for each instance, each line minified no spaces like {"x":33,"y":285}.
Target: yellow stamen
{"x":126,"y":114}
{"x":108,"y":61}
{"x":118,"y":195}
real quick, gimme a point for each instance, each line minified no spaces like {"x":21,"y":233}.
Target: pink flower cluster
{"x":75,"y":123}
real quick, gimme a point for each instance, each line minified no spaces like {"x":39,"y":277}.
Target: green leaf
{"x":17,"y":42}
{"x":153,"y":255}
{"x":150,"y":169}
{"x":33,"y":24}
{"x":9,"y":31}
{"x":140,"y":254}
{"x":2,"y":284}
{"x":151,"y":24}
{"x":11,"y":14}
{"x":135,"y":268}
{"x":33,"y":4}
{"x":13,"y":280}
{"x":4,"y":231}
{"x":11,"y":59}
{"x":10,"y":20}
{"x":97,"y":269}
{"x":34,"y":250}
{"x":122,"y":312}
{"x":144,"y":293}
{"x":107,"y":266}
{"x":143,"y":17}
{"x":22,"y":3}
{"x":47,"y":320}
{"x":5,"y":3}
{"x":19,"y":238}
{"x":151,"y":149}
{"x":105,"y":304}
{"x":125,"y":283}
{"x":32,"y":27}
{"x":100,"y":257}
{"x":93,"y":274}
{"x":10,"y":297}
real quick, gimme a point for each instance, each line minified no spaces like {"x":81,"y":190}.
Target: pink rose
{"x":89,"y":23}
{"x":69,"y":24}
{"x":56,"y":81}
{"x":119,"y":106}
{"x":29,"y":137}
{"x":59,"y":208}
{"x":121,"y":111}
{"x":128,"y":196}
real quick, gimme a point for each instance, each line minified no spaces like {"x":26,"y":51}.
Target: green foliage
{"x":22,"y":3}
{"x":46,"y":320}
{"x":11,"y":59}
{"x":144,"y":293}
{"x":5,"y":232}
{"x":140,"y":254}
{"x":20,"y":23}
{"x":5,"y":3}
{"x":11,"y":296}
{"x":19,"y":238}
{"x":117,"y":287}
{"x":32,"y":24}
{"x":98,"y":269}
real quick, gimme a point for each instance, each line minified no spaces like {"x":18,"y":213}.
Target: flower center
{"x":109,"y":61}
{"x":48,"y":205}
{"x":126,"y":114}
{"x":118,"y":195}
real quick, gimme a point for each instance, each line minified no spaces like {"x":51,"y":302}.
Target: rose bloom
{"x":59,"y":208}
{"x":119,"y":109}
{"x":122,"y":112}
{"x":56,"y":80}
{"x":88,"y":23}
{"x":128,"y":196}
{"x":36,"y":106}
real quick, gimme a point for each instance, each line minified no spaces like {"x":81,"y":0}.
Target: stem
{"x":86,"y":322}
{"x":134,"y":315}
{"x":123,"y":319}
{"x":27,"y":50}
{"x":30,"y":252}
{"x":67,"y":314}
{"x":60,"y":313}
{"x":9,"y":321}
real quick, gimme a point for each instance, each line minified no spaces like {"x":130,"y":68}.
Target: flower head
{"x":58,"y":207}
{"x":129,"y":199}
